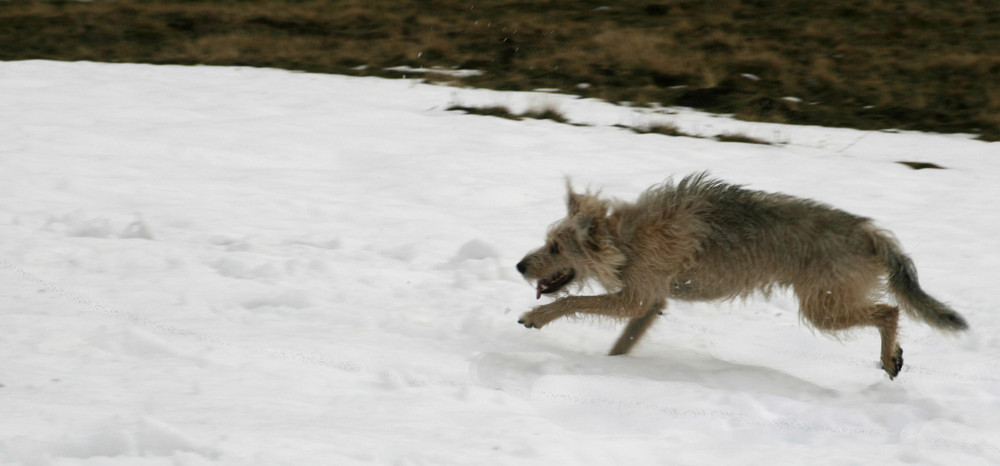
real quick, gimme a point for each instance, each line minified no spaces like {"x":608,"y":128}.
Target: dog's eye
{"x":554,"y":249}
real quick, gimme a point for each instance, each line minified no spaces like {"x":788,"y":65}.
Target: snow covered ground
{"x":204,"y":266}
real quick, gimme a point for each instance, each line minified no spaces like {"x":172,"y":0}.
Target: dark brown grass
{"x":907,"y":64}
{"x":740,"y":137}
{"x":545,"y":112}
{"x":666,"y":129}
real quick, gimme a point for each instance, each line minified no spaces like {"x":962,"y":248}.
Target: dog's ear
{"x":573,"y":200}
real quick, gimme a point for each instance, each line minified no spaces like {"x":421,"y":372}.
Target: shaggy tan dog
{"x":703,"y":240}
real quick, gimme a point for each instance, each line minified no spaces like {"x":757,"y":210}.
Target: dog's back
{"x":748,"y":240}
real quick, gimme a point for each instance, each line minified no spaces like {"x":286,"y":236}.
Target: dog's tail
{"x":904,"y":286}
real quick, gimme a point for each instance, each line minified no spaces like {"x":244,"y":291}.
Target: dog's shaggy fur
{"x":702,"y":240}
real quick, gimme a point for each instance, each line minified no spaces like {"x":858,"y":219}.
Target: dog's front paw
{"x":536,"y":318}
{"x":528,"y":321}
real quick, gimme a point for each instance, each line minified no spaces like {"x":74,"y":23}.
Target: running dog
{"x":702,"y":239}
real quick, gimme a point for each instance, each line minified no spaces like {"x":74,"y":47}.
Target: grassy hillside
{"x":908,"y":64}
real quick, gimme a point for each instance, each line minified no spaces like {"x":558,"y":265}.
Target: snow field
{"x":241,"y":266}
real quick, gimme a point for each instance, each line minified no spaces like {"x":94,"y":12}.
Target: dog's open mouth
{"x":555,"y":283}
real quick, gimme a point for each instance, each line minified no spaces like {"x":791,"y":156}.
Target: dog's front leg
{"x":636,"y":328}
{"x":619,"y":304}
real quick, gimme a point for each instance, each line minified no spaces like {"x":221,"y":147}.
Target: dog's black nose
{"x":521,"y":267}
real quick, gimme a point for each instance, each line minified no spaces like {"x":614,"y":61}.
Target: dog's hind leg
{"x":636,"y":328}
{"x":826,"y":312}
{"x":886,"y":319}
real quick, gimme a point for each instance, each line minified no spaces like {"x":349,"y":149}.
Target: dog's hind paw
{"x":895,"y":365}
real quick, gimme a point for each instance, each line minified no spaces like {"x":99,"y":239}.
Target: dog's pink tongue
{"x":538,"y":292}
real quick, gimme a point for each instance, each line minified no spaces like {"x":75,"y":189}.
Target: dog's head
{"x":578,"y":247}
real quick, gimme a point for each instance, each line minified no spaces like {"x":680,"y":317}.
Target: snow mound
{"x":476,"y":250}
